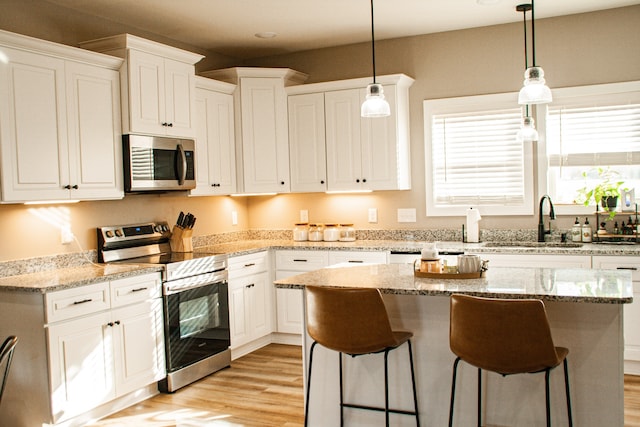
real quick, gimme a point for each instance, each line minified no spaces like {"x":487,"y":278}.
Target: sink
{"x":532,"y":245}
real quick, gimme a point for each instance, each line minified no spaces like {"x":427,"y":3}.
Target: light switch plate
{"x":304,"y":215}
{"x":407,"y":215}
{"x":373,"y":215}
{"x":234,"y":218}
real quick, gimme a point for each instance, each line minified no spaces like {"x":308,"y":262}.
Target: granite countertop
{"x":65,"y":278}
{"x":549,"y":284}
{"x":70,"y":276}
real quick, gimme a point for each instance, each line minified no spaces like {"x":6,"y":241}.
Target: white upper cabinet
{"x":307,"y":146}
{"x":262,"y":142}
{"x":158,"y":88}
{"x":361,"y":153}
{"x":60,"y":130}
{"x":215,"y":138}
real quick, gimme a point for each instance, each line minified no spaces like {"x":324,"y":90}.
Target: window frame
{"x":570,"y":94}
{"x":500,"y":101}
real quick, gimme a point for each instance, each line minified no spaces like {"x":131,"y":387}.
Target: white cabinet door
{"x":35,"y":163}
{"x":249,"y":308}
{"x":537,"y":260}
{"x":215,"y":139}
{"x":138,"y":345}
{"x":631,"y":311}
{"x":81,"y":365}
{"x":307,"y":146}
{"x":238,"y":323}
{"x":161,"y":94}
{"x":264,"y":139}
{"x":344,"y":155}
{"x":179,"y":95}
{"x":95,"y":143}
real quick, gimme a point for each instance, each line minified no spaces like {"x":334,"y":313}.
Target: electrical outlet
{"x":304,"y":215}
{"x":373,"y":215}
{"x":234,"y":218}
{"x":66,"y":235}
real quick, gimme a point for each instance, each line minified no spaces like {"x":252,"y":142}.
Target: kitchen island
{"x":585,"y":312}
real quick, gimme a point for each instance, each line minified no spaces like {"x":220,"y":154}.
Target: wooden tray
{"x":418,"y":273}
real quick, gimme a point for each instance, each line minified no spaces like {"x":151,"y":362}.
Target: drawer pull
{"x":138,"y":290}
{"x":627,"y":268}
{"x":250,"y":264}
{"x":356,"y":261}
{"x":300,"y":260}
{"x":83,"y":301}
{"x":250,"y":286}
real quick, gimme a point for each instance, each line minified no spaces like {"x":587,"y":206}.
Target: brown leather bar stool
{"x":354,"y":322}
{"x":506,"y":336}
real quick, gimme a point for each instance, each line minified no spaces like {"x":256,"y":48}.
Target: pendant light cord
{"x":533,"y":35}
{"x":526,"y":55}
{"x":373,"y":46}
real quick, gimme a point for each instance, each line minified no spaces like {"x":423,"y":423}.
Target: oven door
{"x":196,"y":324}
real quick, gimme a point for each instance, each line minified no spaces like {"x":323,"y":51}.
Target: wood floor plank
{"x":261,"y":389}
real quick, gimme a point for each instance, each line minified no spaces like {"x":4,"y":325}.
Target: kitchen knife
{"x":180,"y":221}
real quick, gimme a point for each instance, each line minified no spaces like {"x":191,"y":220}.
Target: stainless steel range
{"x":195,"y":297}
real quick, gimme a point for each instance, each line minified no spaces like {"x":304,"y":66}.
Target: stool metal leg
{"x":386,"y":387}
{"x":546,"y":392}
{"x":453,"y":390}
{"x":341,"y":394}
{"x":306,"y":406}
{"x":413,"y":383}
{"x":479,"y":397}
{"x":566,"y":386}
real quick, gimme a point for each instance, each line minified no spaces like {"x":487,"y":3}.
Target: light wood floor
{"x":262,"y":389}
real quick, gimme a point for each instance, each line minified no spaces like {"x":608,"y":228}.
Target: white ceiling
{"x":228,"y":26}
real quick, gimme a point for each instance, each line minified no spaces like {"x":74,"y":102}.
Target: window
{"x":586,"y":128}
{"x":472,"y":157}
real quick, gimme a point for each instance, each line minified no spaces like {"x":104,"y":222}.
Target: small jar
{"x":316,"y":232}
{"x":301,"y":232}
{"x":331,"y":233}
{"x":347,"y":233}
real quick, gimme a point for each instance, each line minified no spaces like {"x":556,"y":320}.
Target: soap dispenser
{"x":586,"y":231}
{"x":576,"y":231}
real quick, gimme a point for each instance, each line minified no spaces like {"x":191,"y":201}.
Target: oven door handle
{"x":198,"y":281}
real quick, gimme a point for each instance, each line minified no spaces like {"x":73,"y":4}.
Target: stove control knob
{"x":119,"y":233}
{"x":158,"y":228}
{"x":109,"y":234}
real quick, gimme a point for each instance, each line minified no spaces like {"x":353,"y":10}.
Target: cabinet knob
{"x":364,"y":179}
{"x":170,"y":125}
{"x":322,"y":182}
{"x":67,"y":187}
{"x":75,"y":187}
{"x":281,"y":182}
{"x":165,"y":124}
{"x":357,"y":180}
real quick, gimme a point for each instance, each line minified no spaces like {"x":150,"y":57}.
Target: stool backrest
{"x":6,"y":355}
{"x":351,"y":321}
{"x":507,"y":336}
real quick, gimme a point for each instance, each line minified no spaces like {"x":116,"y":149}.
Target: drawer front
{"x":301,"y":260}
{"x":619,"y":263}
{"x":70,"y":303}
{"x":135,"y":289}
{"x":357,"y":257}
{"x":248,"y":264}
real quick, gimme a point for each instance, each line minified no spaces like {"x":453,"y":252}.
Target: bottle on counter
{"x":316,"y":232}
{"x":576,"y":231}
{"x":347,"y":233}
{"x":301,"y":232}
{"x":586,"y":231}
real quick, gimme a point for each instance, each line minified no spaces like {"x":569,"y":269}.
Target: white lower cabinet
{"x":631,"y":311}
{"x":250,"y":302}
{"x":537,"y":260}
{"x":98,"y":357}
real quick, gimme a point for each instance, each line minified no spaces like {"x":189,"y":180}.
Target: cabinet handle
{"x":110,"y":324}
{"x":117,"y":322}
{"x":299,"y":260}
{"x":165,"y":124}
{"x":138,"y":290}
{"x":250,"y":286}
{"x":170,"y":125}
{"x":356,"y":261}
{"x":627,"y":268}
{"x":82,"y":301}
{"x":250,"y":264}
{"x":75,"y":187}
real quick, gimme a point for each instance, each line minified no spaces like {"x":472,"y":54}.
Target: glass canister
{"x":347,"y":233}
{"x":331,"y":233}
{"x":301,"y":232}
{"x":316,"y":232}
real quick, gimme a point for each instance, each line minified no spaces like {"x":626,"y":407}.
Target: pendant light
{"x":374,"y":105}
{"x":535,"y":90}
{"x":527,"y":132}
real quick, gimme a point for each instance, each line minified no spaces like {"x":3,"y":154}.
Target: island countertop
{"x":549,"y":284}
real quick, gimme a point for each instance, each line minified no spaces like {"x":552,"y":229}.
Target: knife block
{"x":181,"y":239}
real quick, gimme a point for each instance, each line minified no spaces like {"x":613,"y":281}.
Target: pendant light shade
{"x":527,"y":132}
{"x":535,"y":89}
{"x":374,"y":105}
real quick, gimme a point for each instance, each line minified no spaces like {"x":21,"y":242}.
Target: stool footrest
{"x":376,"y":408}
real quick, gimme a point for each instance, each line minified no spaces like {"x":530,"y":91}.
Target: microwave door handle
{"x":182,"y":165}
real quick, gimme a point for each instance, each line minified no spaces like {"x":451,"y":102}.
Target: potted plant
{"x":605,"y":193}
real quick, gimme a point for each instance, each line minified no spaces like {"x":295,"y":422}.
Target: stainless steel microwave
{"x":153,"y":163}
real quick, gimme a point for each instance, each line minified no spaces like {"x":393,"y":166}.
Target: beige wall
{"x":581,"y":49}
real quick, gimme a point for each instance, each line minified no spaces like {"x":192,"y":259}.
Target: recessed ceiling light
{"x":266,"y":35}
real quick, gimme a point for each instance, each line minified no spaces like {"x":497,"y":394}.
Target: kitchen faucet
{"x":552,"y":215}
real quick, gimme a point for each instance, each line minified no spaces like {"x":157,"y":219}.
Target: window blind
{"x":476,"y":158}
